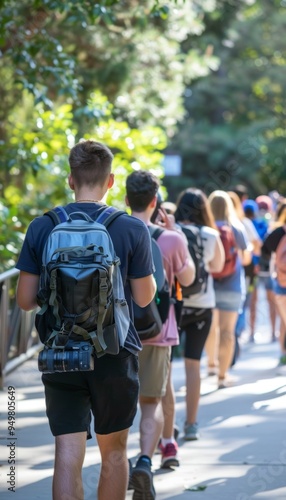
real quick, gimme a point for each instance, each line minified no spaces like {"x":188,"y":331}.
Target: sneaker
{"x":169,"y":456}
{"x":281,"y":368}
{"x":282,"y":360}
{"x":212,"y":370}
{"x":159,"y":448}
{"x":191,"y":432}
{"x":142,"y":479}
{"x":224,"y":382}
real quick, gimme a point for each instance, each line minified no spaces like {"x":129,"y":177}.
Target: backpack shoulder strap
{"x":195,"y":231}
{"x":108,"y":215}
{"x":193,"y":228}
{"x":159,"y":273}
{"x":58,"y":215}
{"x":105,"y":217}
{"x":155,"y":232}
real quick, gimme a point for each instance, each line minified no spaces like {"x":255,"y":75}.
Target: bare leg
{"x":281,"y":305}
{"x":114,"y":469}
{"x":282,"y":337}
{"x":227,"y":322}
{"x":193,"y":382}
{"x":212,"y":342}
{"x":168,"y":405}
{"x":252,"y":312}
{"x":272,"y":310}
{"x":151,"y":424}
{"x":69,"y":457}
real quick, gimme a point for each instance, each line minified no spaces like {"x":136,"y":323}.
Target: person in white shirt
{"x":193,"y":208}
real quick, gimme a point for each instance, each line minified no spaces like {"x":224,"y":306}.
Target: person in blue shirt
{"x":110,"y":391}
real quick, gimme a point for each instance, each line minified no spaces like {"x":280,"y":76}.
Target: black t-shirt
{"x":271,"y":242}
{"x":131,"y":241}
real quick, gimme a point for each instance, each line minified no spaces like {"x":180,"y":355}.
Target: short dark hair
{"x":90,"y":162}
{"x":193,"y":206}
{"x":141,"y":187}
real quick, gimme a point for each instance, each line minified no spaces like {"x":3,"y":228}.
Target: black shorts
{"x":109,"y":392}
{"x":196,"y":324}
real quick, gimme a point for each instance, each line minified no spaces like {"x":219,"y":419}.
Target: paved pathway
{"x":241,"y":454}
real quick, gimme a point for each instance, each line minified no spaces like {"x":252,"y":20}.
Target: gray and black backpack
{"x":81,"y":293}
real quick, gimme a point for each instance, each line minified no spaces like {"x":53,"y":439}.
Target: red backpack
{"x":230,"y":249}
{"x":280,"y":260}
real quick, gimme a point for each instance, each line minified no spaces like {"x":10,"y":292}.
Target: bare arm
{"x":257,"y":244}
{"x":167,"y":221}
{"x":217,"y":263}
{"x":143,"y":290}
{"x":27,"y":289}
{"x":187,"y":276}
{"x":246,"y":256}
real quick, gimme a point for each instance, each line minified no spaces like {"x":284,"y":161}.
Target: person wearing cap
{"x":264,"y":203}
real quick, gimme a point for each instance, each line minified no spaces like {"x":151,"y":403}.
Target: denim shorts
{"x":109,"y":392}
{"x":228,"y":301}
{"x":277,"y":289}
{"x":266,"y":281}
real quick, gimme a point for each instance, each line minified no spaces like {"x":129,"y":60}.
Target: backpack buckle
{"x":103,"y":284}
{"x":63,"y":257}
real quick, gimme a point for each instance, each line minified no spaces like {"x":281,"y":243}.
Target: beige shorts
{"x":154,"y":365}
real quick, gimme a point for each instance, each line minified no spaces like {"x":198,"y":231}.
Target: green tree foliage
{"x":112,"y":70}
{"x":44,"y":146}
{"x":234,"y":130}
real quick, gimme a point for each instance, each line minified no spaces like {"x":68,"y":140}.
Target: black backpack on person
{"x":149,"y":320}
{"x":196,"y":250}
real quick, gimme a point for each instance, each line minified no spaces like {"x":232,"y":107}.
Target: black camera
{"x":76,"y":356}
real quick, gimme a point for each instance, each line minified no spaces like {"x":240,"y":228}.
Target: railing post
{"x":3,"y":327}
{"x":18,"y":341}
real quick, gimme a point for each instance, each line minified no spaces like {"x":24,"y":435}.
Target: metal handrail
{"x":18,"y":337}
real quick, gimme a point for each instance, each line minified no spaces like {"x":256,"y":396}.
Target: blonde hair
{"x":236,"y":204}
{"x":222,"y":206}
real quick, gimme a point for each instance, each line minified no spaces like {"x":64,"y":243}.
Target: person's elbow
{"x":143,"y":290}
{"x":187,"y":276}
{"x":26,"y":293}
{"x":217,"y":265}
{"x":25,"y":302}
{"x":246,"y":257}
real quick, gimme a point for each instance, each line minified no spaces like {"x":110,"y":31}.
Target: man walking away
{"x":110,"y":391}
{"x":154,"y":360}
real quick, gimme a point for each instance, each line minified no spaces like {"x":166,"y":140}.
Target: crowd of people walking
{"x":214,"y":251}
{"x":243,"y":244}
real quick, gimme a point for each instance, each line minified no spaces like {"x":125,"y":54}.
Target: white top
{"x":250,"y":229}
{"x":206,"y":299}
